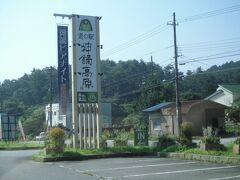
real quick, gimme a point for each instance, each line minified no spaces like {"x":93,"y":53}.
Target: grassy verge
{"x":227,"y":152}
{"x":7,"y":145}
{"x":123,"y":149}
{"x":70,"y":152}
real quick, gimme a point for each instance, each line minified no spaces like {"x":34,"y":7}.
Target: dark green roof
{"x":234,"y":88}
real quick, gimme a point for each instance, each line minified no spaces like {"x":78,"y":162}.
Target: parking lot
{"x":18,"y":165}
{"x":151,"y":168}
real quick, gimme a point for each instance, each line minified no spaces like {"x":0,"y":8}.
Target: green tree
{"x":233,"y":113}
{"x":137,"y":120}
{"x":33,"y":120}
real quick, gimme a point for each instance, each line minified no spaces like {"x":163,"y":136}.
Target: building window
{"x":156,"y":125}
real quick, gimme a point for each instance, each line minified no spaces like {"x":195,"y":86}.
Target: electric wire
{"x":171,"y":81}
{"x":210,"y":14}
{"x":133,"y":42}
{"x":161,"y":28}
{"x":222,"y":53}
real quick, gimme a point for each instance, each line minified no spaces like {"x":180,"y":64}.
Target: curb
{"x":88,"y":157}
{"x":20,"y":148}
{"x":185,"y":156}
{"x":200,"y":157}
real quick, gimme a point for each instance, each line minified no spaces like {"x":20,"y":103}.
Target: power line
{"x":208,"y":49}
{"x":131,"y":77}
{"x":222,"y":41}
{"x":171,"y":81}
{"x":161,"y":28}
{"x":210,"y":14}
{"x":198,"y":59}
{"x":138,"y":74}
{"x":133,"y":42}
{"x":212,"y":72}
{"x":216,"y":45}
{"x":226,"y":52}
{"x":213,"y":58}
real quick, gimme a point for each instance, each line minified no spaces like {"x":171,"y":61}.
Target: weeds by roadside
{"x":19,"y":144}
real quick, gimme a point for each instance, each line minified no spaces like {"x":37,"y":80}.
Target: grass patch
{"x":124,"y":149}
{"x":227,"y":152}
{"x":70,"y":152}
{"x":19,"y":144}
{"x":175,"y":148}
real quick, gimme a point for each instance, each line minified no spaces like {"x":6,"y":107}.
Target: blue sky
{"x":28,"y":31}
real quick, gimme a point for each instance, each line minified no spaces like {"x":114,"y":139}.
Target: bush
{"x":175,"y":148}
{"x":185,"y":138}
{"x":209,"y":136}
{"x":186,"y":129}
{"x":55,"y":141}
{"x":183,"y":141}
{"x":165,"y":141}
{"x":122,"y":138}
{"x":210,"y":140}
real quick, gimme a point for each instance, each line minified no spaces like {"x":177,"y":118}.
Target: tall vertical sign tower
{"x":63,"y":72}
{"x":86,"y":82}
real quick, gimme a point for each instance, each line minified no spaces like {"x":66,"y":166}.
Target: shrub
{"x":55,"y":141}
{"x":186,"y":129}
{"x":209,"y":136}
{"x":185,"y":138}
{"x":174,"y":148}
{"x":106,"y":135}
{"x":182,"y":140}
{"x":210,"y":140}
{"x":122,"y":138}
{"x":164,"y":141}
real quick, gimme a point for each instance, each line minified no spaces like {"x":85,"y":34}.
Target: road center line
{"x":232,"y":177}
{"x":135,"y":167}
{"x":175,"y":172}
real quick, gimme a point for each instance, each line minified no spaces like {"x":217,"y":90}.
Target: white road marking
{"x":49,"y":163}
{"x":135,"y":167}
{"x":145,"y":160}
{"x":232,"y":177}
{"x":175,"y":172}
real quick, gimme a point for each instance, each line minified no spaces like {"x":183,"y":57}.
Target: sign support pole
{"x":98,"y":108}
{"x":74,"y":88}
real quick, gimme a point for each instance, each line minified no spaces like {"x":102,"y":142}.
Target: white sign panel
{"x":86,"y":51}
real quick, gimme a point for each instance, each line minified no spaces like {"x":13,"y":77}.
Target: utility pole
{"x":50,"y":106}
{"x":178,"y":104}
{"x":152,"y":65}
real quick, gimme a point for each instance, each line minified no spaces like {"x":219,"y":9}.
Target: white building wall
{"x":106,"y":112}
{"x":55,"y":115}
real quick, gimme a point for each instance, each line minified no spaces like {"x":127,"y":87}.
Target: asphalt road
{"x":17,"y":165}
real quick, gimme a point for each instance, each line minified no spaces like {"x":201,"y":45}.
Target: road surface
{"x":17,"y":165}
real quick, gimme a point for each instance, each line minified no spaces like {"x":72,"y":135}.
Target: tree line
{"x":130,"y":86}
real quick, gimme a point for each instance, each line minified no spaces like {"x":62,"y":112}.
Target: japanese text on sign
{"x":86,"y":54}
{"x":63,"y":54}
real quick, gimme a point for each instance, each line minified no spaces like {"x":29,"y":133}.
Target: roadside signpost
{"x":86,"y":90}
{"x":140,"y":138}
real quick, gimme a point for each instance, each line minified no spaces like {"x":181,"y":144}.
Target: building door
{"x":215,"y":124}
